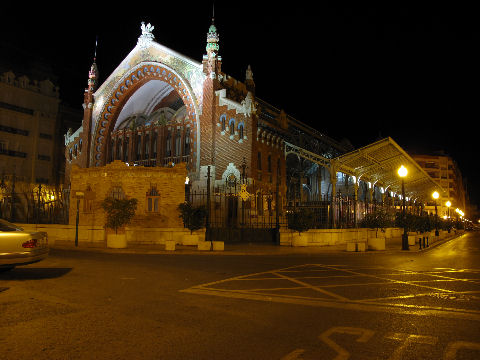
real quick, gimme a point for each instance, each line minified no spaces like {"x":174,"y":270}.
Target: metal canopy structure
{"x":378,"y":163}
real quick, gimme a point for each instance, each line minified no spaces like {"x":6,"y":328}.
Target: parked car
{"x":19,"y":247}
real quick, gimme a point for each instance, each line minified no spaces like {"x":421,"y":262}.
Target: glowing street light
{"x":402,"y":172}
{"x":448,"y":204}
{"x":436,"y":195}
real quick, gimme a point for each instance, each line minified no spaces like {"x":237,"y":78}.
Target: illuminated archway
{"x":125,"y":88}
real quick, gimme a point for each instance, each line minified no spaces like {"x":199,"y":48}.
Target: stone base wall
{"x":164,"y":185}
{"x":95,"y":236}
{"x":323,"y":237}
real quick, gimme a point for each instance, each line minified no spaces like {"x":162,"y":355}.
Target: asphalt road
{"x":89,"y":305}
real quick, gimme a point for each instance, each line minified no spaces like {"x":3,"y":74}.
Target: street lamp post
{"x":435,"y":195}
{"x":402,"y":172}
{"x":448,"y":204}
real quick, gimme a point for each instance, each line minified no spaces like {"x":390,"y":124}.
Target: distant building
{"x":444,"y":170}
{"x":28,"y":128}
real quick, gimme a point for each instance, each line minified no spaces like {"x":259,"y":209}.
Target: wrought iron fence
{"x":28,"y":203}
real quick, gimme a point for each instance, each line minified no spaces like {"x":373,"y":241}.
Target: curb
{"x":281,"y":250}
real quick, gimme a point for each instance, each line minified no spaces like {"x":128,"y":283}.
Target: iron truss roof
{"x":378,"y":163}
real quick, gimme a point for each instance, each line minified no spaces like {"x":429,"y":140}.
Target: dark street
{"x":86,"y":305}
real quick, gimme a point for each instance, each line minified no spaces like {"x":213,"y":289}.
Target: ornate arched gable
{"x":147,"y":61}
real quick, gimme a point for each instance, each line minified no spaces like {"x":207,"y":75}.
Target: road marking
{"x":293,"y":294}
{"x":338,"y":297}
{"x":391,"y":280}
{"x":454,"y":347}
{"x":294,"y":355}
{"x":342,"y":354}
{"x":407,"y":341}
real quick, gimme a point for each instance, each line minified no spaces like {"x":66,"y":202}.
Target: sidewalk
{"x":392,"y":246}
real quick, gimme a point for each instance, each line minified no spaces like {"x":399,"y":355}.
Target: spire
{"x":212,"y":38}
{"x":93,"y":73}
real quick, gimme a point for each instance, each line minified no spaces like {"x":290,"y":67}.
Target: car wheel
{"x":6,"y":268}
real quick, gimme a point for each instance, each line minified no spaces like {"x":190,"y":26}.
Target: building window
{"x":44,"y":157}
{"x":232,"y":127}
{"x":153,"y":199}
{"x":168,"y":143}
{"x":223,"y":119}
{"x":46,"y":136}
{"x":125,"y":148}
{"x":80,"y":143}
{"x":178,"y":143}
{"x":259,"y":161}
{"x":187,"y":141}
{"x":155,"y":137}
{"x":119,"y":149}
{"x":269,"y":163}
{"x":117,"y":193}
{"x":240,"y":131}
{"x":147,"y":146}
{"x":139,"y":147}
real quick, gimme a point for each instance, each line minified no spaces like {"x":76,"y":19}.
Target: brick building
{"x":161,"y":108}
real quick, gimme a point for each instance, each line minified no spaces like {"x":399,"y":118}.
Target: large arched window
{"x":231,"y":125}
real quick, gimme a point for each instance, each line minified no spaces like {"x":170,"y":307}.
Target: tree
{"x":119,"y":212}
{"x":300,"y":220}
{"x":193,"y":217}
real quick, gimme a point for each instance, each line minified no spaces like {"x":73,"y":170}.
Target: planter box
{"x":116,"y":241}
{"x":299,"y":239}
{"x":203,"y":245}
{"x":411,"y":240}
{"x":361,"y":246}
{"x":351,"y":246}
{"x":191,"y":239}
{"x":170,"y":245}
{"x":218,"y":246}
{"x":377,"y":243}
{"x":357,"y":246}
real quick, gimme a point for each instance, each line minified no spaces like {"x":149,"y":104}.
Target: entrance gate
{"x":232,"y":219}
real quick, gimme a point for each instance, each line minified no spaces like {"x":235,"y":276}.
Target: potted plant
{"x":300,"y":220}
{"x":193,"y":219}
{"x":378,"y":220}
{"x":119,"y":212}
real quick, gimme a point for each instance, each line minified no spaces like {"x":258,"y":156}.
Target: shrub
{"x":193,"y":217}
{"x":300,"y":220}
{"x":119,"y":212}
{"x":378,"y":219}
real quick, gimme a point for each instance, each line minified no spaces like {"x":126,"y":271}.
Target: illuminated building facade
{"x":445,"y":171}
{"x":160,"y":108}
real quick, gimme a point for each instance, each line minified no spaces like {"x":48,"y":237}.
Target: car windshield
{"x":6,"y":226}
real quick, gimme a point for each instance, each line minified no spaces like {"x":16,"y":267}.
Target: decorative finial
{"x":249,"y":73}
{"x":147,"y":35}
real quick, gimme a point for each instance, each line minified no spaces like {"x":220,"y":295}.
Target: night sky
{"x":362,"y":73}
